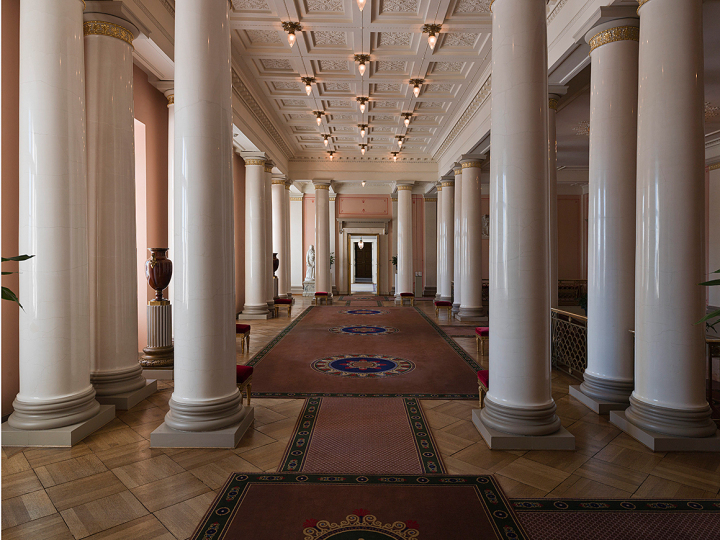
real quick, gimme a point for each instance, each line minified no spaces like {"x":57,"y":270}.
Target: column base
{"x":471,"y":314}
{"x":229,"y":437}
{"x":525,"y":421}
{"x":455,"y":308}
{"x":597,"y":406}
{"x":562,"y":439}
{"x":254,"y":312}
{"x":672,"y":422}
{"x":62,"y":436}
{"x":604,"y":389}
{"x":161,"y":374}
{"x":155,"y":357}
{"x":657,"y":442}
{"x":128,"y":400}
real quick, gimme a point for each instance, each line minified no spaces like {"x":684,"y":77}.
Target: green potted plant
{"x":7,"y":294}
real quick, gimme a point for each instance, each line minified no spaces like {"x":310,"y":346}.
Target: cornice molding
{"x":554,"y":13}
{"x":243,"y":93}
{"x":152,"y":18}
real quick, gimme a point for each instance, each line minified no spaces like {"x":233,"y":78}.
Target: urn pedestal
{"x":157,"y":358}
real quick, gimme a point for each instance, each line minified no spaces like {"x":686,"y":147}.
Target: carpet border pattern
{"x":427,"y":450}
{"x":663,"y":506}
{"x":255,"y":360}
{"x":215,"y":523}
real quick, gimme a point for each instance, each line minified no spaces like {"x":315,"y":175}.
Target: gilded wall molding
{"x":102,"y":28}
{"x":611,"y":35}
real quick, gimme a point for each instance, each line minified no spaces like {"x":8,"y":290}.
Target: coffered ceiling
{"x":333,"y":31}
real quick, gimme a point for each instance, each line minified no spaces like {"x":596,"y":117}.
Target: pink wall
{"x":10,"y":194}
{"x":363,"y":206}
{"x":308,"y":215}
{"x":239,"y":212}
{"x":570,"y":230}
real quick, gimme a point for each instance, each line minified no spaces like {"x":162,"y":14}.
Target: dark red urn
{"x":158,"y":270}
{"x":276,"y":263}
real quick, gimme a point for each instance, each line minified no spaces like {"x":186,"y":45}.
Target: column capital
{"x":448,"y":180}
{"x":170,"y":95}
{"x":438,"y":186}
{"x":457,"y":169}
{"x":114,"y":13}
{"x":288,"y":184}
{"x":404,"y":186}
{"x":125,"y":32}
{"x":253,"y":158}
{"x":555,"y":92}
{"x":321,"y":185}
{"x":269,"y":166}
{"x":468,"y":161}
{"x":618,"y":30}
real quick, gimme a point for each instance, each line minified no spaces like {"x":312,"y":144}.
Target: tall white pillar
{"x":440,"y":241}
{"x":270,"y":292}
{"x":555,"y":93}
{"x":256,"y":269}
{"x":668,"y":403}
{"x":288,"y":244}
{"x":471,"y":304}
{"x":55,"y":389}
{"x":322,"y":238}
{"x":206,"y":409}
{"x":279,"y":232}
{"x":457,"y":240}
{"x":448,"y":233}
{"x":170,"y":95}
{"x":114,"y":369}
{"x":611,"y":250}
{"x":519,"y":410}
{"x":405,"y":240}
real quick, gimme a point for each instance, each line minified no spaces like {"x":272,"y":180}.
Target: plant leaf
{"x":710,"y":283}
{"x":18,"y":258}
{"x":8,"y":273}
{"x":7,"y":294}
{"x":709,"y":316}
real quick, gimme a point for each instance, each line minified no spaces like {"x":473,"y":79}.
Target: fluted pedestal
{"x":404,"y":239}
{"x":447,"y":235}
{"x":668,"y":408}
{"x":159,"y":352}
{"x":56,"y":404}
{"x":611,"y":250}
{"x":457,"y":240}
{"x":206,"y":408}
{"x":519,"y":410}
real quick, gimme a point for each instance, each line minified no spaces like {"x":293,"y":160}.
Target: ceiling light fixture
{"x":291,"y":28}
{"x":363,"y":183}
{"x":361,"y":4}
{"x":362,"y":101}
{"x":394,"y":155}
{"x":326,"y":140}
{"x":363,"y":149}
{"x":363,"y":129}
{"x":431,"y":29}
{"x":361,"y":244}
{"x":308,"y":84}
{"x":400,"y":139}
{"x":361,"y":59}
{"x":407,"y":117}
{"x":416,"y":86}
{"x":331,"y":152}
{"x":319,"y":115}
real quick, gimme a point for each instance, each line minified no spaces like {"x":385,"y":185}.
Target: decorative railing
{"x":571,"y":291}
{"x":569,"y":342}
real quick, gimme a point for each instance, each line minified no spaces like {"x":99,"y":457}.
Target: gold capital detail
{"x":714,"y":166}
{"x":404,"y":188}
{"x":471,"y":164}
{"x":268,"y":167}
{"x":278,"y":182}
{"x":254,"y":162}
{"x":439,"y":188}
{"x":553,"y":103}
{"x":640,"y":3}
{"x":430,"y":199}
{"x":171,"y":99}
{"x":321,"y":186}
{"x":457,"y":171}
{"x":448,"y":184}
{"x":102,"y":28}
{"x":619,"y":33}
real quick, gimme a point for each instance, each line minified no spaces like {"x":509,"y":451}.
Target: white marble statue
{"x":310,"y":261}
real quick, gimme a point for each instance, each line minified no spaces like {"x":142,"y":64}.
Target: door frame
{"x":377,"y":262}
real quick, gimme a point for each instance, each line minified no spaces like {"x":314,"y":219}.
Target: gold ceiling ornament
{"x":404,"y":188}
{"x":255,"y":161}
{"x":171,"y":99}
{"x":553,"y":103}
{"x":471,"y":164}
{"x":619,"y":33}
{"x":102,"y":28}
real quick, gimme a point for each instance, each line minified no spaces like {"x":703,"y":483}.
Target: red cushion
{"x":483,"y":377}
{"x":283,"y":301}
{"x":242,"y":328}
{"x":443,"y":303}
{"x":482,"y":331}
{"x":321,"y":294}
{"x":243,"y":373}
{"x":406,"y":294}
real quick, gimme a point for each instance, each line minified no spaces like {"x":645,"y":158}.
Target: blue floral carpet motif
{"x":366,"y":366}
{"x":364,"y":330}
{"x":364,"y":312}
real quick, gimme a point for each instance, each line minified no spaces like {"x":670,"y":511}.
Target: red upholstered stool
{"x":442,"y":304}
{"x":483,"y":384}
{"x":284,"y":302}
{"x":243,"y":329}
{"x":244,"y":380}
{"x":408,"y":295}
{"x":482,"y":333}
{"x":320,"y":296}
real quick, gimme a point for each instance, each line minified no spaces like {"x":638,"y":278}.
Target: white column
{"x":457,"y":240}
{"x":288,"y":252}
{"x":471,"y":305}
{"x":322,"y":238}
{"x":170,"y":95}
{"x":553,"y":98}
{"x":55,"y":389}
{"x":114,"y":367}
{"x":448,"y":234}
{"x":270,"y":292}
{"x":256,"y":306}
{"x":611,"y":250}
{"x":206,"y":408}
{"x":279,"y":232}
{"x":669,"y":395}
{"x":519,"y":408}
{"x":440,"y":240}
{"x":405,"y":240}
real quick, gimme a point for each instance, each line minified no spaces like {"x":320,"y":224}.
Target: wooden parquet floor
{"x":113,"y":485}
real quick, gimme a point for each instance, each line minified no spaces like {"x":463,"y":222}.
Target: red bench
{"x":482,"y":334}
{"x":483,"y":384}
{"x":244,"y":380}
{"x":243,"y":329}
{"x":442,"y":304}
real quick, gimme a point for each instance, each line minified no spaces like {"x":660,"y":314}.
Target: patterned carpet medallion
{"x":362,"y":365}
{"x":364,"y":330}
{"x":364,"y":312}
{"x":356,"y":435}
{"x":354,"y":507}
